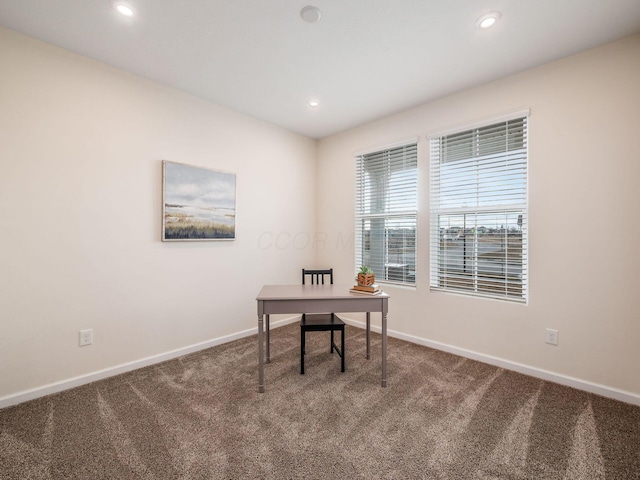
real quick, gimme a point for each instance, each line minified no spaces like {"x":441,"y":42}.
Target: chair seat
{"x":318,"y":322}
{"x":321,"y":322}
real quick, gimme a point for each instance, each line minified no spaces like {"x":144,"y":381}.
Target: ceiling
{"x":362,"y":60}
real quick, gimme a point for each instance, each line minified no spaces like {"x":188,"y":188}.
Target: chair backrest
{"x":317,"y":276}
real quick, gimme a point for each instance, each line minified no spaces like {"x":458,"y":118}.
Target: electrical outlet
{"x":86,"y":337}
{"x":552,"y":336}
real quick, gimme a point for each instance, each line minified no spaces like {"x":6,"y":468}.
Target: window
{"x":479,"y":210}
{"x":386,"y":213}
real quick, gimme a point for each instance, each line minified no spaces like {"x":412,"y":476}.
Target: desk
{"x":274,"y":299}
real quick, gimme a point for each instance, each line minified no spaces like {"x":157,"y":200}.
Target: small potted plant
{"x":366,"y":276}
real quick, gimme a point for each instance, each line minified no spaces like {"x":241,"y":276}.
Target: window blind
{"x":479,"y":225}
{"x":386,"y":213}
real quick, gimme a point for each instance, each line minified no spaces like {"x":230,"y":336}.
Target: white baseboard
{"x":580,"y":384}
{"x":56,"y":387}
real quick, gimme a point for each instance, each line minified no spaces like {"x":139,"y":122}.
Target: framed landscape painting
{"x":197,"y":203}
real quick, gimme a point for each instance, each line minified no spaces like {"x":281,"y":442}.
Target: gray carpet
{"x":200,"y":417}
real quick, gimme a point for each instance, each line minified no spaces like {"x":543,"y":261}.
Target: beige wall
{"x":584,"y":197}
{"x":81,"y":145}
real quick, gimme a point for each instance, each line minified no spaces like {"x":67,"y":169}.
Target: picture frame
{"x":198,"y":204}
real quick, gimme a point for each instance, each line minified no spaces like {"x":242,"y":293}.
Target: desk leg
{"x":268,"y":340}
{"x":384,"y":349}
{"x":260,"y":356}
{"x":368,"y":335}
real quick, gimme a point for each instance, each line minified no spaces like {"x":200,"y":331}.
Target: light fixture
{"x":310,"y":14}
{"x":124,"y":9}
{"x":488,"y":19}
{"x":313,"y":102}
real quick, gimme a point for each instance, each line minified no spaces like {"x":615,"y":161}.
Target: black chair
{"x":316,"y":322}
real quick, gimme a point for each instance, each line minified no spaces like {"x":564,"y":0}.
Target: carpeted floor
{"x":441,"y":417}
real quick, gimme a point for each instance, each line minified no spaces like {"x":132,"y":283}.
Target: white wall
{"x":584,"y":221}
{"x":81,"y":145}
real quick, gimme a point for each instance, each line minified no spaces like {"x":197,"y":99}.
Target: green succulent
{"x":364,"y":270}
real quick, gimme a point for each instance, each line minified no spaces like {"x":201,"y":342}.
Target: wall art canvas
{"x":198,"y":203}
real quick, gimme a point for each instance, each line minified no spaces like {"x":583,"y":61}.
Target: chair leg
{"x":342,"y":349}
{"x":302,"y":335}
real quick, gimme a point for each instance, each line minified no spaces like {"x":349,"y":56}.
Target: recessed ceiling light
{"x":310,"y":14}
{"x":313,"y":103}
{"x":488,"y":19}
{"x":125,"y":10}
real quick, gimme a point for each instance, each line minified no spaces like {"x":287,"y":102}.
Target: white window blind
{"x":479,"y":211}
{"x":386,"y":213}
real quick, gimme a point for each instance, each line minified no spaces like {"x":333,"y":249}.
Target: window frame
{"x":456,"y":276}
{"x":401,"y":216}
